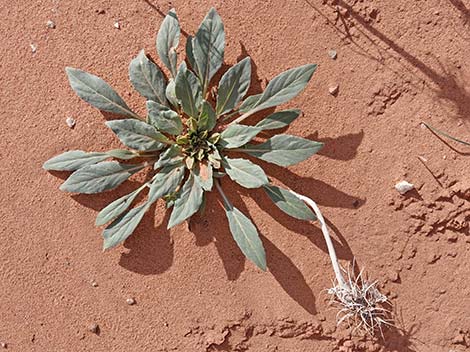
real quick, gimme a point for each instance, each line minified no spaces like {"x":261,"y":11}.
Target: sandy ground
{"x":399,"y":63}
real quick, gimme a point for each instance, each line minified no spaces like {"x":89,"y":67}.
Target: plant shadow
{"x":280,"y":266}
{"x":449,"y":85}
{"x":150,"y":247}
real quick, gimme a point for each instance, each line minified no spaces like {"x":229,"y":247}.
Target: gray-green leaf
{"x":208,"y":47}
{"x":190,"y":53}
{"x":137,"y":134}
{"x":246,"y":236}
{"x":168,"y":38}
{"x":208,"y":119}
{"x":245,"y":173}
{"x":285,"y":86}
{"x":97,"y":92}
{"x":289,"y":203}
{"x":284,"y":150}
{"x":235,"y":136}
{"x":166,"y":181}
{"x":171,"y":93}
{"x":279,"y":119}
{"x":121,"y":228}
{"x":170,"y":156}
{"x":188,"y":91}
{"x":164,"y":119}
{"x":187,"y":203}
{"x":233,"y":86}
{"x":116,"y":208}
{"x":73,"y":160}
{"x":250,"y":103}
{"x":99,"y":177}
{"x":147,"y":78}
{"x":122,"y":154}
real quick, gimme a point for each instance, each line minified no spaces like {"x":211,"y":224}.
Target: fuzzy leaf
{"x":284,"y":150}
{"x":170,"y":156}
{"x":168,"y":38}
{"x":188,"y":91}
{"x":164,"y":119}
{"x":246,"y":236}
{"x":121,"y":228}
{"x":235,"y":136}
{"x":73,"y":160}
{"x":245,"y":173}
{"x":99,"y":177}
{"x":190,"y":52}
{"x":285,"y":86}
{"x":187,"y":203}
{"x":208,"y":47}
{"x":122,"y":154}
{"x":289,"y":203}
{"x":166,"y":181}
{"x":208,"y":119}
{"x":279,"y":119}
{"x":233,"y":86}
{"x":171,"y":93}
{"x":116,"y":208}
{"x":249,"y":103}
{"x":147,"y":78}
{"x":97,"y":92}
{"x":137,"y":135}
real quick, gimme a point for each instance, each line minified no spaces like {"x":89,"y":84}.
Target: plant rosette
{"x":192,"y":127}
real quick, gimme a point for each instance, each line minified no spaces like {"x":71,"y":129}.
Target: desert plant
{"x":187,"y":137}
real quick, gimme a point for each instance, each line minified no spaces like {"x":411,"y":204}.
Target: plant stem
{"x":326,"y":235}
{"x":442,"y":133}
{"x":243,"y":117}
{"x":227,"y":203}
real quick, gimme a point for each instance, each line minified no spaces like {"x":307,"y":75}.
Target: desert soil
{"x":398,"y":63}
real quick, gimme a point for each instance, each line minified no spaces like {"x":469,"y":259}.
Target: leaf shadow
{"x":150,"y":248}
{"x":280,"y":266}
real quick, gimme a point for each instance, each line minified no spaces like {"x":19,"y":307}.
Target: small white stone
{"x":333,"y":54}
{"x":94,"y":284}
{"x":333,"y":90}
{"x":50,"y":24}
{"x":130,"y":301}
{"x":34,"y":48}
{"x":117,"y":25}
{"x":70,"y":121}
{"x":404,"y":186}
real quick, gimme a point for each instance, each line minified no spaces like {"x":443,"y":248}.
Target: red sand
{"x":399,"y":63}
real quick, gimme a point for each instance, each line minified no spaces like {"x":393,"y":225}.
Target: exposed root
{"x":361,"y":304}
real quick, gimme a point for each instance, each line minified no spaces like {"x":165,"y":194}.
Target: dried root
{"x":361,"y":304}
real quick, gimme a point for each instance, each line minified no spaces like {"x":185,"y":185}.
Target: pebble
{"x":4,"y":345}
{"x":333,"y":90}
{"x":393,"y":276}
{"x":333,"y":54}
{"x":94,"y":284}
{"x":130,"y":301}
{"x":50,"y":24}
{"x":404,"y":186}
{"x":94,"y":328}
{"x":459,"y":340}
{"x":70,"y":121}
{"x":117,"y":25}
{"x":34,"y":48}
